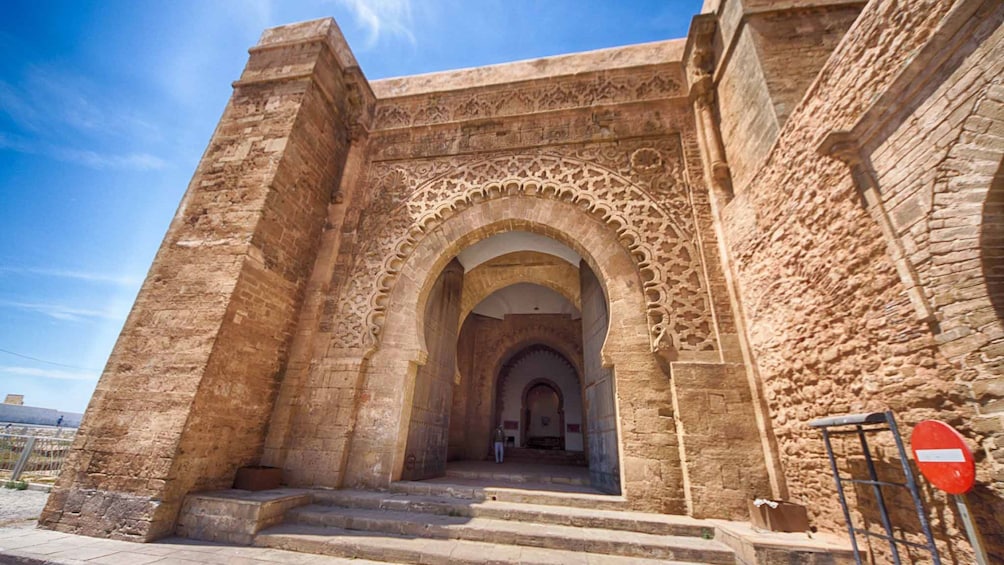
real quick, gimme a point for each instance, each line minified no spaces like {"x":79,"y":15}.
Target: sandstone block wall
{"x":186,"y":394}
{"x":721,"y":451}
{"x":869,"y":292}
{"x":768,"y":55}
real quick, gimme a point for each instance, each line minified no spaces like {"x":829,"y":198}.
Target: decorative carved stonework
{"x":512,"y":100}
{"x":576,"y":126}
{"x":637,"y":188}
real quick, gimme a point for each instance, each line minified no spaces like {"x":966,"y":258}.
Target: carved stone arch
{"x":508,"y":346}
{"x":970,"y":179}
{"x":389,"y":374}
{"x":504,"y":370}
{"x":485,"y":279}
{"x":663,"y":248}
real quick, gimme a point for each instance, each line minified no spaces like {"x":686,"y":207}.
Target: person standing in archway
{"x":499,"y":443}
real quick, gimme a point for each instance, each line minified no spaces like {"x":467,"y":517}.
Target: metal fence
{"x":32,"y":458}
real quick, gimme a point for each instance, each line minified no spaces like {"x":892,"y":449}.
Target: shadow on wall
{"x":941,"y":512}
{"x":992,"y":242}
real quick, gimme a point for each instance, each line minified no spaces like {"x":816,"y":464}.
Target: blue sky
{"x":106,"y":107}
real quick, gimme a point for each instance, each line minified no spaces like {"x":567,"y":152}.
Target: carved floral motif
{"x":647,"y":206}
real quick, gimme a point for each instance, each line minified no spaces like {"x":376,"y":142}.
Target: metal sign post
{"x":944,"y":459}
{"x":861,"y":425}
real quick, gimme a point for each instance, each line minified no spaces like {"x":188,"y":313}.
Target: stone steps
{"x":659,"y":524}
{"x":545,"y":456}
{"x":442,"y":524}
{"x":530,"y":493}
{"x":401,"y":549}
{"x":519,"y":477}
{"x":515,"y":532}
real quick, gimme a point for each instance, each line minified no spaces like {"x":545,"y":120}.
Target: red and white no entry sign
{"x":943,"y":456}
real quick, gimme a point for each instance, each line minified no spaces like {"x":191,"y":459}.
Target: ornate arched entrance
{"x":615,"y":294}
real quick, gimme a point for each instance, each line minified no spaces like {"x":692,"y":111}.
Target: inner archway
{"x":544,"y":416}
{"x":520,"y":362}
{"x":538,"y":399}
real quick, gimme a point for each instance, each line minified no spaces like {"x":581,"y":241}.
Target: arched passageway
{"x":616,"y":346}
{"x":516,"y":324}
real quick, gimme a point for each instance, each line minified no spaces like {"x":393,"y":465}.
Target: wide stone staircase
{"x":486,"y":513}
{"x":444,"y":522}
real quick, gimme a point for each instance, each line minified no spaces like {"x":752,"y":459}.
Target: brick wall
{"x":831,"y":322}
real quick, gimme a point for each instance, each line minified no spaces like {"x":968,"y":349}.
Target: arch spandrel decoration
{"x":646,"y":202}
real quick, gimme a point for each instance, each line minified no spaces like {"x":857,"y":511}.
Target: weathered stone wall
{"x":186,"y":393}
{"x":721,"y":449}
{"x":810,"y":33}
{"x":767,"y":56}
{"x":826,"y":287}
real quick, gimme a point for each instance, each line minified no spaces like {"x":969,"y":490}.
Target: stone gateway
{"x":657,"y":262}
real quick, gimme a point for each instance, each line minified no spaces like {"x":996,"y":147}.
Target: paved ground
{"x":20,"y":508}
{"x":22,"y":543}
{"x":44,"y":546}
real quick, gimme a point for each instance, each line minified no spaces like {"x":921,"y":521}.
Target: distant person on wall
{"x":499,"y":443}
{"x":59,"y":422}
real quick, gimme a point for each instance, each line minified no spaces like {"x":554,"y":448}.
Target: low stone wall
{"x":35,"y":415}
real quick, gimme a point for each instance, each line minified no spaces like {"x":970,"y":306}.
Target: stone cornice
{"x":648,"y":83}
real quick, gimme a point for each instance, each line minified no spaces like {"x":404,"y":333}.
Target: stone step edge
{"x":659,"y":524}
{"x":516,"y":478}
{"x":511,"y":494}
{"x":400,"y":549}
{"x":592,"y":540}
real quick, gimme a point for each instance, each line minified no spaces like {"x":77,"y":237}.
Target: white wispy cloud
{"x":64,"y":312}
{"x":49,"y":373}
{"x":382,"y":17}
{"x":67,"y":118}
{"x":95,"y":160}
{"x":121,"y":280}
{"x":86,"y":157}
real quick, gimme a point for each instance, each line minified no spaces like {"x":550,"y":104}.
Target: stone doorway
{"x":543,"y":416}
{"x":504,"y":332}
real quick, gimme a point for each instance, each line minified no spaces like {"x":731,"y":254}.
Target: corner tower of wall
{"x":189,"y":387}
{"x":766,"y":54}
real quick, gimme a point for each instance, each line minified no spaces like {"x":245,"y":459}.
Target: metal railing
{"x":32,"y":458}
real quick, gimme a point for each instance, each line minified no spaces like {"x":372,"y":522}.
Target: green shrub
{"x":16,"y":485}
